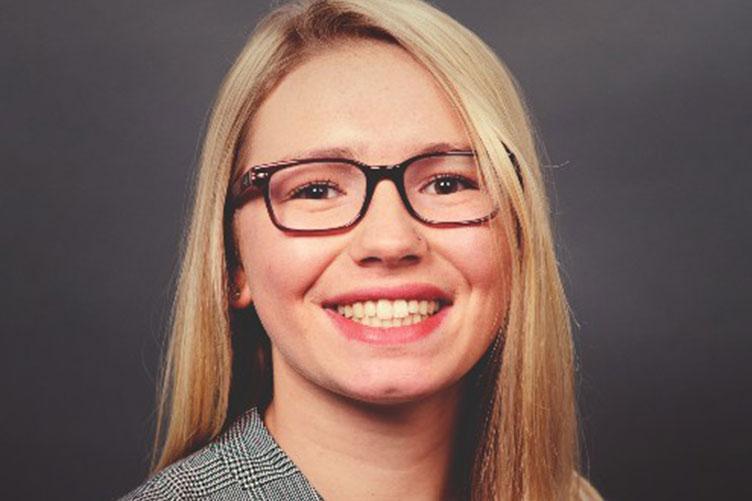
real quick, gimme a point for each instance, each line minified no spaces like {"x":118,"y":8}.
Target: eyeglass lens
{"x":323,"y":195}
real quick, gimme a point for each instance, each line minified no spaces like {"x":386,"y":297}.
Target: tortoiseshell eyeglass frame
{"x":257,"y":178}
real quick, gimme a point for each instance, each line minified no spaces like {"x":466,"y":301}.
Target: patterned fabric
{"x":243,"y":463}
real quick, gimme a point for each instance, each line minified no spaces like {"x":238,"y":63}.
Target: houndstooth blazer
{"x":243,"y":463}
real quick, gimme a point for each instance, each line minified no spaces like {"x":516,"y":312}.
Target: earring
{"x":235,"y":293}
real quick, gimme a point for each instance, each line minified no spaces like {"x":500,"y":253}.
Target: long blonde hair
{"x":523,"y":442}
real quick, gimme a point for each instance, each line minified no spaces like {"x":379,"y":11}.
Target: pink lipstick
{"x":387,"y":335}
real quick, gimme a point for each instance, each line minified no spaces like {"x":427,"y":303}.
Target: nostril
{"x":404,"y":260}
{"x":410,"y":259}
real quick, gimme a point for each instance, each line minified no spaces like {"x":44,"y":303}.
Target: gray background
{"x":644,"y":107}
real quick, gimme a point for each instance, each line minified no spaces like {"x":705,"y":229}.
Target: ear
{"x":240,"y":292}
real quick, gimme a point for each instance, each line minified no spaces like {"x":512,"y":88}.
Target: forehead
{"x":367,"y":96}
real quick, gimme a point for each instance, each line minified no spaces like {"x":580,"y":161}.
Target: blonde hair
{"x":523,"y":441}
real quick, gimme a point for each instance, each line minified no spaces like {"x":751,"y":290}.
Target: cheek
{"x":278,"y":266}
{"x":474,"y":255}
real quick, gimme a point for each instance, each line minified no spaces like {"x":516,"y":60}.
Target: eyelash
{"x":469,"y":183}
{"x":327,"y":182}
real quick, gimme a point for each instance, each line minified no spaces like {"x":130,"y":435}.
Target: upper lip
{"x":404,"y":291}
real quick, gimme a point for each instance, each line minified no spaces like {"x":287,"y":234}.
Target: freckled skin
{"x":376,"y":100}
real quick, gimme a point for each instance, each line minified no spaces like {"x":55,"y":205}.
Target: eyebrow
{"x":342,"y":152}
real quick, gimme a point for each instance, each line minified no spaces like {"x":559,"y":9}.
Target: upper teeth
{"x":385,"y":309}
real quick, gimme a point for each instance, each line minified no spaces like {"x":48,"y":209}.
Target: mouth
{"x":390,"y":312}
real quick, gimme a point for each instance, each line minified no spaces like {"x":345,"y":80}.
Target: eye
{"x":446,"y":184}
{"x":316,"y":190}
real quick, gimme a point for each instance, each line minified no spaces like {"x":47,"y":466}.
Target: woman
{"x":369,"y":304}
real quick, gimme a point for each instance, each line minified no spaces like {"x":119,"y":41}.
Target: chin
{"x":386,"y":390}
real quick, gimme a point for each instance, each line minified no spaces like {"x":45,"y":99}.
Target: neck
{"x":352,"y":450}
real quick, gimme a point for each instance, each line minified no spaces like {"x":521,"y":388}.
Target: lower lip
{"x":387,"y":335}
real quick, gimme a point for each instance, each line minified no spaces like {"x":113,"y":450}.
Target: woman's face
{"x":374,"y":100}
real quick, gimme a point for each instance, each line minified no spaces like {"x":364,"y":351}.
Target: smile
{"x":390,"y":313}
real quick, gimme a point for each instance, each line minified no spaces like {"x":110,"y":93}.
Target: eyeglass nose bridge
{"x":377,"y":173}
{"x":385,"y":171}
{"x":393,"y":172}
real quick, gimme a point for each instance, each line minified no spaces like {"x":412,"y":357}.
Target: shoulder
{"x":584,"y":491}
{"x":199,"y":475}
{"x":243,"y":460}
{"x":203,"y":474}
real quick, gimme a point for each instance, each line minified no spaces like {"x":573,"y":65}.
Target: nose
{"x":387,"y":234}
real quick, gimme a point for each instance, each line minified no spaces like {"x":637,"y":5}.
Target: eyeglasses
{"x":326,"y":194}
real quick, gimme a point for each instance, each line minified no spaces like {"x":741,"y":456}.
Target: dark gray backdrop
{"x":644,"y":107}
